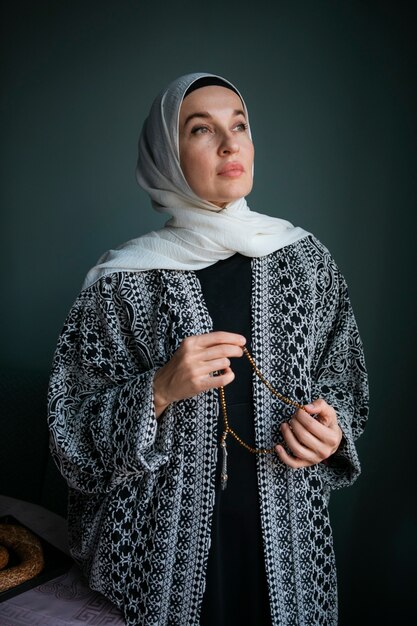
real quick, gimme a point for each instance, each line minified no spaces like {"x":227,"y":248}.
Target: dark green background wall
{"x":331,"y":89}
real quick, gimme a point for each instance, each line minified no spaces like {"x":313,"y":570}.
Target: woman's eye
{"x":199,"y":130}
{"x":203,"y":130}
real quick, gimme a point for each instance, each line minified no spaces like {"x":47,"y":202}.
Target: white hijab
{"x":199,"y":233}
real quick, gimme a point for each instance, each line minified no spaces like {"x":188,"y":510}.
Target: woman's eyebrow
{"x":206,"y":115}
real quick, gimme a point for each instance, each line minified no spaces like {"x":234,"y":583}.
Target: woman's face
{"x":216,"y":152}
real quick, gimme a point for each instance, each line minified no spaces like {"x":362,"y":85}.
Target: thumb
{"x":320,"y":410}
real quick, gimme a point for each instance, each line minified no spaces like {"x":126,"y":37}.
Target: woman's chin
{"x":232,"y":195}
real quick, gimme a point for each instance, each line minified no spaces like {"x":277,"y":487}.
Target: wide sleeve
{"x":339,"y":374}
{"x":100,"y":401}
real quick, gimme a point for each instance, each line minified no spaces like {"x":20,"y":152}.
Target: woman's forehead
{"x":210,"y":99}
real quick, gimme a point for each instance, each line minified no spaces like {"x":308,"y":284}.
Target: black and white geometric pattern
{"x":142,"y":491}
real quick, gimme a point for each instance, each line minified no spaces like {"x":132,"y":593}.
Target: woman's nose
{"x":228,"y":145}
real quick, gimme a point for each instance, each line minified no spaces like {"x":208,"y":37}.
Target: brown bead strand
{"x":228,"y":429}
{"x":268,"y":384}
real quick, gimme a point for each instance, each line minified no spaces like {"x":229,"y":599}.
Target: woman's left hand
{"x":310,"y":439}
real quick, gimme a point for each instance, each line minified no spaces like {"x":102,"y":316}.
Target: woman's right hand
{"x":189,"y":371}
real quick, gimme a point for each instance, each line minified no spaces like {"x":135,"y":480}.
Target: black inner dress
{"x":236,"y":589}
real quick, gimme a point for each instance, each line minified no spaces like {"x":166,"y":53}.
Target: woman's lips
{"x":231,"y":170}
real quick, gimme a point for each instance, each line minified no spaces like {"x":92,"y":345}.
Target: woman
{"x":172,"y":516}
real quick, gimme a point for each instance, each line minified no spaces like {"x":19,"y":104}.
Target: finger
{"x":317,"y":405}
{"x":220,"y":380}
{"x":297,"y":448}
{"x":215,"y":338}
{"x":317,"y":424}
{"x":290,"y":460}
{"x":196,"y":363}
{"x":323,"y":412}
{"x":306,"y":437}
{"x":219,"y":351}
{"x":214,"y":366}
{"x":322,"y":446}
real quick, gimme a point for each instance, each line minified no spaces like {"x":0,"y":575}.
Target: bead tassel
{"x":223,"y":475}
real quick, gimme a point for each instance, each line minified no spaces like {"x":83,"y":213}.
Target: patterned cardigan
{"x":142,"y":491}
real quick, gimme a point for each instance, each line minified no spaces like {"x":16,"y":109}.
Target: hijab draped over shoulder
{"x":198,"y":233}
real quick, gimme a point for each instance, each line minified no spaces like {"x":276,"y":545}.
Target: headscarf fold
{"x":199,"y":233}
